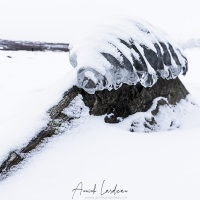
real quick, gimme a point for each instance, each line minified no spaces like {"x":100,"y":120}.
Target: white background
{"x":63,"y":20}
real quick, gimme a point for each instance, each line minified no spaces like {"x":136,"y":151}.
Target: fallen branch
{"x":56,"y":119}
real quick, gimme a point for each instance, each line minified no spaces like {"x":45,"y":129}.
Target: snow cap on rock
{"x":128,"y":51}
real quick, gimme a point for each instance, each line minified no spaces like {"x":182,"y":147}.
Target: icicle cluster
{"x":125,"y":51}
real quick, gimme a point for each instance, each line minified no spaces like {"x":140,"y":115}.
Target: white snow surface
{"x":30,"y":83}
{"x":157,"y":165}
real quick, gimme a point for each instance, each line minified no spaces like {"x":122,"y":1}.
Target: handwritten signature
{"x":103,"y":191}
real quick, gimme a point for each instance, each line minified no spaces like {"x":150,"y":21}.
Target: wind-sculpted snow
{"x":125,"y":51}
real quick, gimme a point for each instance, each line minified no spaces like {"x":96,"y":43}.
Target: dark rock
{"x":161,"y":102}
{"x":150,"y":123}
{"x":13,"y":159}
{"x":129,"y":99}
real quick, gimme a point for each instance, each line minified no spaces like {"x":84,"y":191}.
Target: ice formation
{"x":125,"y":51}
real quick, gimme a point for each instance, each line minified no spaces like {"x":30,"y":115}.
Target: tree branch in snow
{"x":56,"y":119}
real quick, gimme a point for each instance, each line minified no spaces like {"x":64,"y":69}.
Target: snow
{"x":168,"y":118}
{"x":107,"y":50}
{"x":159,"y":165}
{"x":30,"y":83}
{"x":156,"y":165}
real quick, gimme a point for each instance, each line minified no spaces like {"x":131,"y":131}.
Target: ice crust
{"x":125,"y":50}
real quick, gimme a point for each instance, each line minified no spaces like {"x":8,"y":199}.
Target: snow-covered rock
{"x":162,"y":116}
{"x":125,"y":51}
{"x":130,"y":99}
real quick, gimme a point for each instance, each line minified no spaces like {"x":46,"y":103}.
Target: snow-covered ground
{"x":30,"y":83}
{"x":154,"y":166}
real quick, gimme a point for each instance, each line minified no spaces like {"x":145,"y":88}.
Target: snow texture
{"x":165,"y":164}
{"x":169,"y":117}
{"x":189,"y":43}
{"x":77,"y":111}
{"x":166,"y":118}
{"x":30,"y":84}
{"x":160,"y":117}
{"x":125,"y":51}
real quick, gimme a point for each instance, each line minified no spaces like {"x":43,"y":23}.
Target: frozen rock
{"x":125,"y":51}
{"x":130,"y":99}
